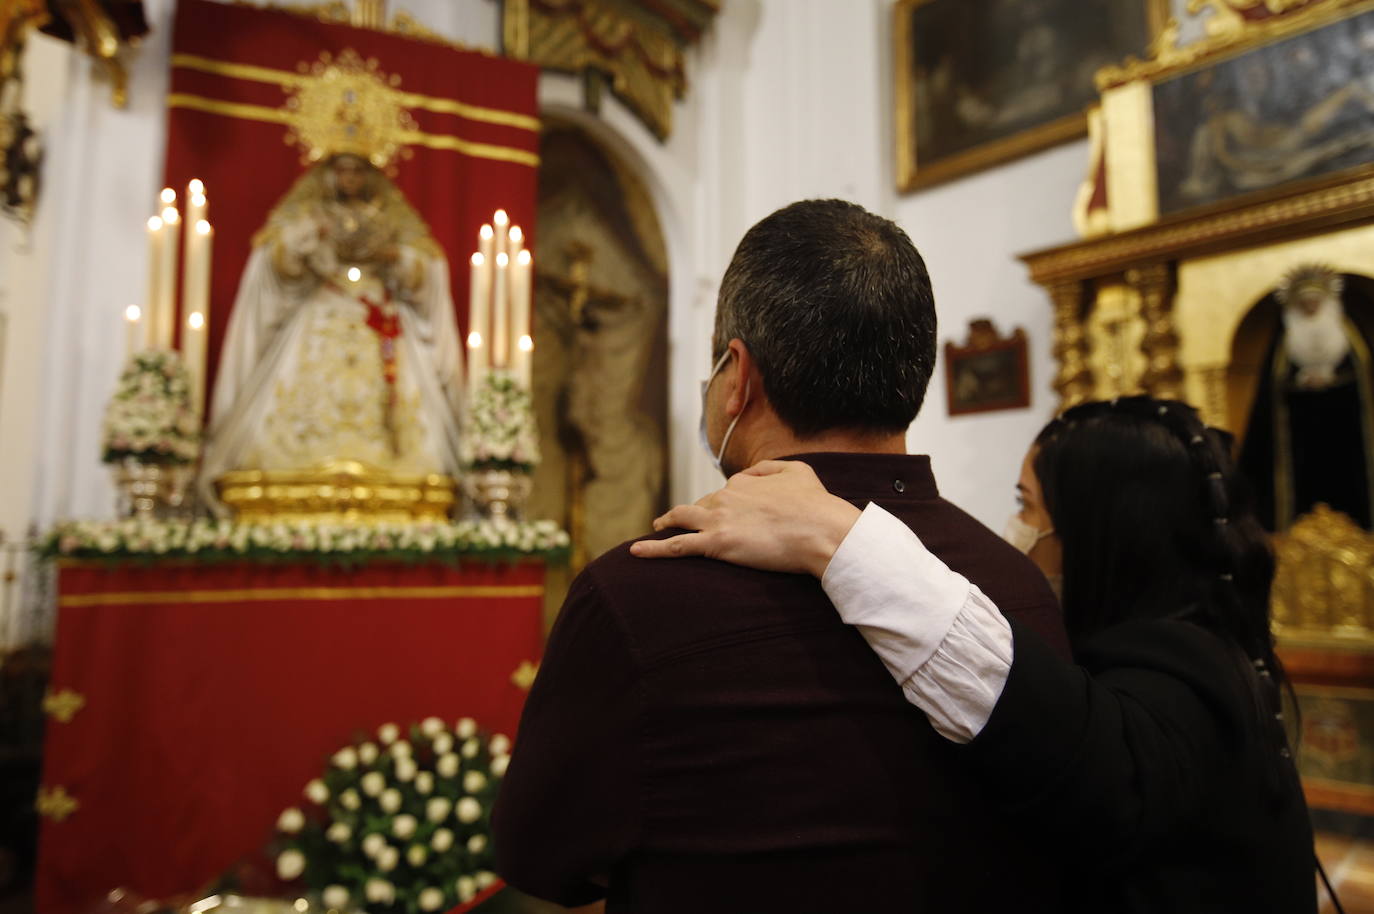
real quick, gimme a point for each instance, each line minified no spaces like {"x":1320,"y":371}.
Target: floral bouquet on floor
{"x":401,"y":823}
{"x":150,"y":419}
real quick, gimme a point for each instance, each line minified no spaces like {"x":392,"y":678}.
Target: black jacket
{"x":1152,"y":770}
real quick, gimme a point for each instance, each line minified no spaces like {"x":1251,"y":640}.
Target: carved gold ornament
{"x":524,"y":674}
{"x":1228,"y":29}
{"x":55,"y":803}
{"x":62,"y":706}
{"x":1324,"y":585}
{"x":348,"y":105}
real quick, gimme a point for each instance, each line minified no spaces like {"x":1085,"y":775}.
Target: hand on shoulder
{"x":774,"y":516}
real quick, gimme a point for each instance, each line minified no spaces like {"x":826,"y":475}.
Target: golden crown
{"x":348,"y":105}
{"x":1312,"y":278}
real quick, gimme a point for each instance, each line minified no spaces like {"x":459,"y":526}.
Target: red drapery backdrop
{"x":211,"y":695}
{"x":474,"y":148}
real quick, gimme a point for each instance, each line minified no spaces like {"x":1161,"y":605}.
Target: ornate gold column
{"x":1074,"y":381}
{"x":1163,"y":377}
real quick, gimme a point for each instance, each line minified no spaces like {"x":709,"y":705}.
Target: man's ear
{"x":746,"y":384}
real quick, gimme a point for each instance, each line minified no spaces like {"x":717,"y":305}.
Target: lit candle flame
{"x":516,"y":235}
{"x":196,"y":320}
{"x":355,"y":274}
{"x":133,"y":313}
{"x":523,"y":258}
{"x":168,"y":196}
{"x":202,"y":227}
{"x":501,"y":219}
{"x":197,"y":199}
{"x":486,"y":233}
{"x":170,"y":216}
{"x":154,"y":223}
{"x":196,"y":187}
{"x":478,"y":259}
{"x":474,"y":340}
{"x":502,"y":260}
{"x":526,"y":344}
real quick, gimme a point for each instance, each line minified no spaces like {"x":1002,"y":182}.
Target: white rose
{"x":405,"y":769}
{"x":388,"y":733}
{"x":424,"y":782}
{"x":290,"y":865}
{"x":379,"y":891}
{"x":373,"y":783}
{"x":468,"y":810}
{"x":339,"y":832}
{"x":401,"y":749}
{"x":437,"y":808}
{"x":390,"y":800}
{"x":499,"y":765}
{"x":466,"y":887}
{"x":447,"y":766}
{"x":477,"y":843}
{"x":465,"y":728}
{"x":374,"y":844}
{"x":349,"y":799}
{"x":417,"y":855}
{"x":499,"y":745}
{"x":484,"y":879}
{"x":471,"y":748}
{"x":367,"y":753}
{"x":431,"y":727}
{"x":290,"y":821}
{"x":443,"y":744}
{"x":316,"y":792}
{"x":403,"y":826}
{"x":388,"y":858}
{"x":431,"y":899}
{"x":346,"y":758}
{"x":442,"y":840}
{"x":474,"y":781}
{"x":334,"y":896}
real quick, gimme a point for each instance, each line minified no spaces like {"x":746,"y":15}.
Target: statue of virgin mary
{"x":342,"y":344}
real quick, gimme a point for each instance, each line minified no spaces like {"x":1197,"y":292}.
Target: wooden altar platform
{"x":190,"y":703}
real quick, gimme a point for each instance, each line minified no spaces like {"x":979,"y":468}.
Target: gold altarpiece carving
{"x":1158,"y":304}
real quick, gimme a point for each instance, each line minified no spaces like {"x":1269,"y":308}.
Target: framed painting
{"x":1297,"y":109}
{"x":987,"y":372}
{"x":980,"y":82}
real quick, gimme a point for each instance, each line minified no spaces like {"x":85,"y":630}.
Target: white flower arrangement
{"x":500,"y":432}
{"x":338,"y":544}
{"x":150,"y":418}
{"x":413,"y":851}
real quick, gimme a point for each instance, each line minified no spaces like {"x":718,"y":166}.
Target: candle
{"x":515,"y":242}
{"x":479,"y":296}
{"x":500,"y":313}
{"x":133,"y":333}
{"x":520,"y":314}
{"x":155,"y":230}
{"x":167,"y":278}
{"x":196,"y":304}
{"x":196,"y":212}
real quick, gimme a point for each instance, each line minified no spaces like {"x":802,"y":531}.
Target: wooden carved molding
{"x":1324,"y":585}
{"x":1074,"y":380}
{"x":637,"y":47}
{"x":1163,"y":377}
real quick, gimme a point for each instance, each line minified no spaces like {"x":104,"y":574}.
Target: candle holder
{"x":498,"y":493}
{"x":150,"y":490}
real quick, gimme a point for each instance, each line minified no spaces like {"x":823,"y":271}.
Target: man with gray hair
{"x":705,"y":737}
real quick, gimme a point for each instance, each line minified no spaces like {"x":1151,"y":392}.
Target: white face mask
{"x":705,"y":440}
{"x":1022,"y":535}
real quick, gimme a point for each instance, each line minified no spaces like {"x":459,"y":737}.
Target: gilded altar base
{"x":342,"y":491}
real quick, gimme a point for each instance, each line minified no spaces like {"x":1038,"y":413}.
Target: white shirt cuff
{"x":938,"y":635}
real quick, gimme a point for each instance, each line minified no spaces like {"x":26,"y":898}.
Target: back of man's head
{"x":835,"y":306}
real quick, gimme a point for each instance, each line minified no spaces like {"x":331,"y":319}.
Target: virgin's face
{"x":1048,"y":553}
{"x":350,"y":176}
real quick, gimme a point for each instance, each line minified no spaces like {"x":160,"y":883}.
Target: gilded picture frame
{"x":987,"y":371}
{"x":982,"y":82}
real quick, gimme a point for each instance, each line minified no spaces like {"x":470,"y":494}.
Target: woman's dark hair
{"x":1155,"y":522}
